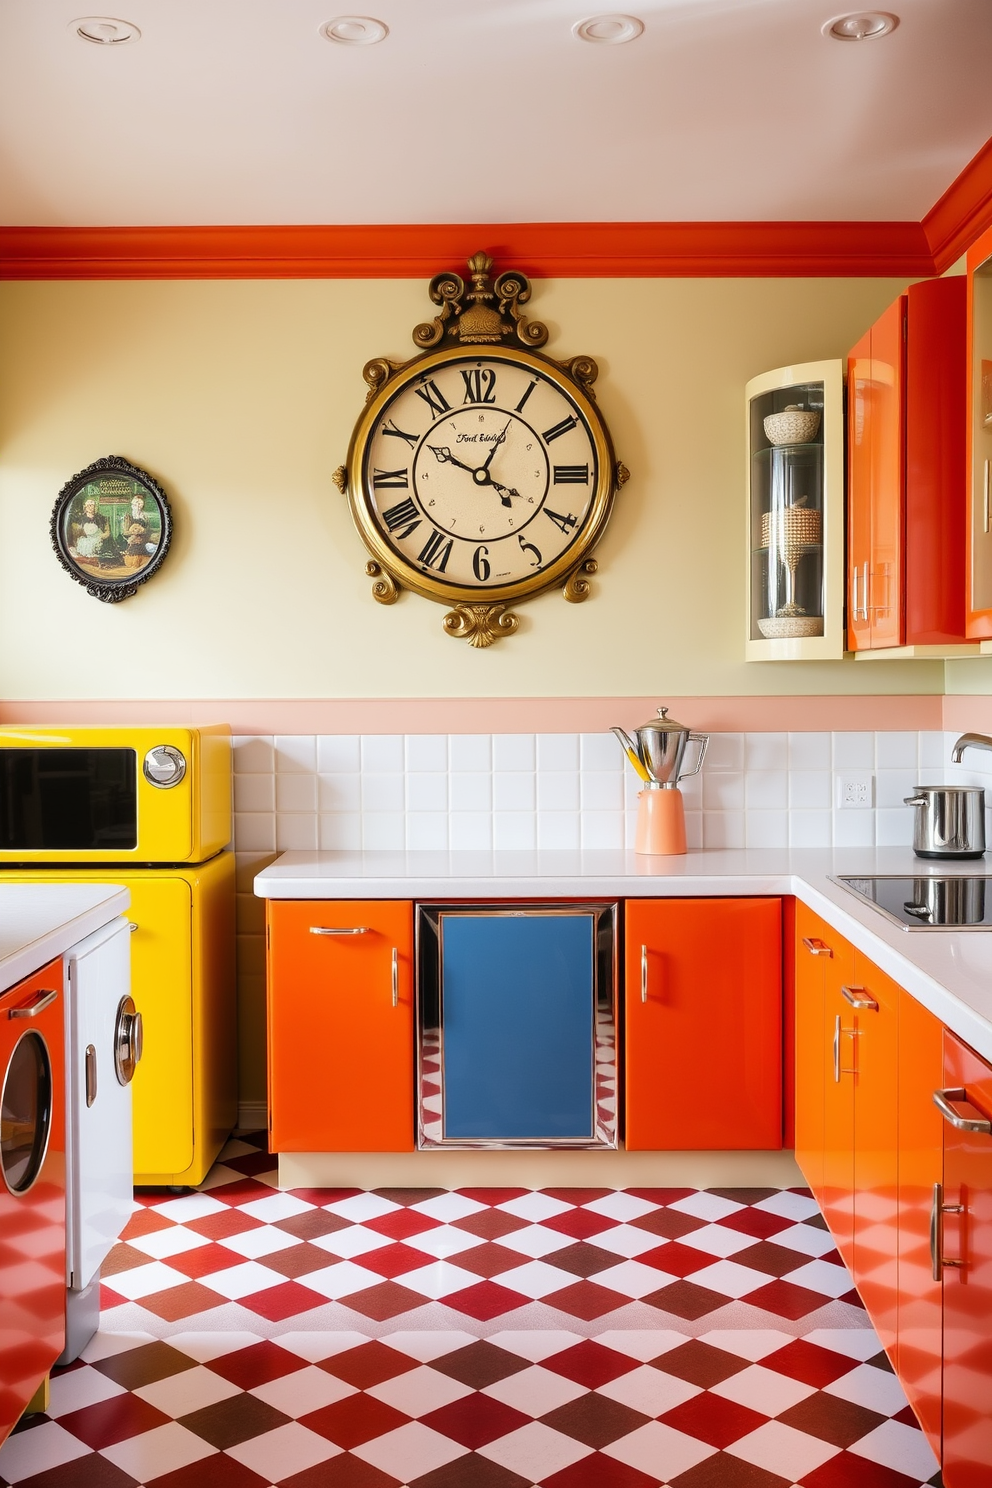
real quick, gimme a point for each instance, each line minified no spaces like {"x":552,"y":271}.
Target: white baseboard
{"x":538,"y":1169}
{"x":253,"y":1116}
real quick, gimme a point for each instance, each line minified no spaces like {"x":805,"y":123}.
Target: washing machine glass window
{"x":25,"y":1112}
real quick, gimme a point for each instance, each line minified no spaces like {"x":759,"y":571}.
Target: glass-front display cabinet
{"x":795,"y":513}
{"x":979,"y":624}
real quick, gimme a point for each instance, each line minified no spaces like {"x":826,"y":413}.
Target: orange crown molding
{"x":542,"y":249}
{"x":963,"y":212}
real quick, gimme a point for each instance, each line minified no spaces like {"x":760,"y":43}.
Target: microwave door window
{"x":68,"y":799}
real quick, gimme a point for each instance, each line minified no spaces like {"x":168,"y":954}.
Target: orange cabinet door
{"x":886,"y":597}
{"x":859,"y":395}
{"x":966,"y":1252}
{"x":837,"y":1052}
{"x":876,"y":1146}
{"x":704,"y":1023}
{"x":813,"y":949}
{"x":340,"y":1025}
{"x":918,"y":1348}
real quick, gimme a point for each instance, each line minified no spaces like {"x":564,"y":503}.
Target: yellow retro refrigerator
{"x":149,"y":808}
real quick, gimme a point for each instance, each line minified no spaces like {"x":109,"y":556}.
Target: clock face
{"x":482,"y":472}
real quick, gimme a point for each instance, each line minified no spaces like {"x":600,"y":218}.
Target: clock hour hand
{"x":442,"y":453}
{"x":505,"y":492}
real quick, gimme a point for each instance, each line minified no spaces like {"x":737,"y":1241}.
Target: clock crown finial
{"x":476,"y":316}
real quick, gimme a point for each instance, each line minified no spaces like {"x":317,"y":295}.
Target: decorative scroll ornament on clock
{"x":481,"y":472}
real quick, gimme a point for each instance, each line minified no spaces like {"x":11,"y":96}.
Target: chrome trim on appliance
{"x":128,"y":1040}
{"x":977,"y":1123}
{"x":89,"y":1068}
{"x":43,"y":999}
{"x":44,"y":1112}
{"x":164,"y":766}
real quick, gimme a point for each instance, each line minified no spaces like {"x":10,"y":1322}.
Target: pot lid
{"x":664,"y":725}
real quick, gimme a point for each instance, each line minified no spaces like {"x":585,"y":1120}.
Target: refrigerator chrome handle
{"x":43,"y":999}
{"x":644,"y":973}
{"x":90,"y":1074}
{"x":937,"y":1209}
{"x":396,"y":977}
{"x":977,"y":1123}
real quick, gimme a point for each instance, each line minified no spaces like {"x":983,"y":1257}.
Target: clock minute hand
{"x":496,"y":444}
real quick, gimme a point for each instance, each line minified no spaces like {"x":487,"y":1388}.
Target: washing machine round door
{"x":128,"y":1040}
{"x":25,"y":1112}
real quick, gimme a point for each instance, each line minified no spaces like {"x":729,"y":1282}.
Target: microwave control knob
{"x":164,"y":766}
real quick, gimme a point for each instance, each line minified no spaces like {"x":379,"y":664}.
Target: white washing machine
{"x":103,"y":1045}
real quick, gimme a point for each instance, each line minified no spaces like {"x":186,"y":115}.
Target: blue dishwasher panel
{"x":518,"y":1009}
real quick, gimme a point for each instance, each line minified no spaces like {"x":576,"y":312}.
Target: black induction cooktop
{"x":957,"y":902}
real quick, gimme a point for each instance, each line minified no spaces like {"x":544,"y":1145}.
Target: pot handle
{"x":703,"y":740}
{"x":914,"y":800}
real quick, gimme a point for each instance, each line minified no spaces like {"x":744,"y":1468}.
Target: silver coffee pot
{"x":659,"y":751}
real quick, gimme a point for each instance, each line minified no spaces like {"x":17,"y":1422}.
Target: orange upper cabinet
{"x":340,"y":1025}
{"x":906,"y":473}
{"x":979,"y":360}
{"x":704,"y":1023}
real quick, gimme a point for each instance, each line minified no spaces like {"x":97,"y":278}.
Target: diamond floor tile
{"x":484,"y":1338}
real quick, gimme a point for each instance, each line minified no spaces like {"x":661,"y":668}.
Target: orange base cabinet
{"x":703,"y":1023}
{"x":918,"y":1358}
{"x":965,"y":1248}
{"x":819,"y":950}
{"x":340,"y":1025}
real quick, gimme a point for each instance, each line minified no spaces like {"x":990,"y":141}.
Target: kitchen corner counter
{"x":949,"y":972}
{"x":41,"y":921}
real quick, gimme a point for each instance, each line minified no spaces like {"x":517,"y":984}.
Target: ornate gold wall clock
{"x":481,"y":472}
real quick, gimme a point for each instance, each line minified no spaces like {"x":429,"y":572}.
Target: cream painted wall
{"x":239,"y":397}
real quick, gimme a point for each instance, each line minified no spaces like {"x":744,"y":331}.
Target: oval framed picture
{"x":111,"y":528}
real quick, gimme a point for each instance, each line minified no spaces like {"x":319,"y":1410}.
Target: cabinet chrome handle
{"x":816,"y":947}
{"x":90,"y":1074}
{"x":396,"y":977}
{"x":986,"y":494}
{"x":132,"y":925}
{"x":339,"y":930}
{"x":860,"y":999}
{"x":644,"y":973}
{"x":42,"y":1000}
{"x":937,"y":1209}
{"x":976,"y":1123}
{"x":838,"y":1069}
{"x":855,"y":615}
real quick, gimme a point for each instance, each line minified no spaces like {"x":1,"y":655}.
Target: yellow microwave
{"x":114,"y":795}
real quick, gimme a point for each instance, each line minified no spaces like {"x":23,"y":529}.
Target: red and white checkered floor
{"x":477,"y":1339}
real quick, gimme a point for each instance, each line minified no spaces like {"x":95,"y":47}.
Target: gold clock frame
{"x":485,"y":321}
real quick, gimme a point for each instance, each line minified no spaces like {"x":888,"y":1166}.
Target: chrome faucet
{"x":969,"y":741}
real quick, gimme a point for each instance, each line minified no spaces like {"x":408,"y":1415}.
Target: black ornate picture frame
{"x":111,"y":528}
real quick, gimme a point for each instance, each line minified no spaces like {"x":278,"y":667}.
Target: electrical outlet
{"x":855,"y":792}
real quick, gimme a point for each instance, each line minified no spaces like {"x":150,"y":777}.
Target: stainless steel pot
{"x":950,"y":821}
{"x":948,"y":901}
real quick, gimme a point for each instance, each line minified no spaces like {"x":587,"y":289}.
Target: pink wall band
{"x":516,"y":715}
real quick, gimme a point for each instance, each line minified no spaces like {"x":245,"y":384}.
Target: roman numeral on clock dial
{"x":571,"y":475}
{"x":391,"y":480}
{"x":403,"y":518}
{"x":436,"y":552}
{"x":557,"y":430}
{"x":564,"y":524}
{"x":390,"y":428}
{"x":434,"y":398}
{"x":480,"y":385}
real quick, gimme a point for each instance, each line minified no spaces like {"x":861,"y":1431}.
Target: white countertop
{"x":949,"y":972}
{"x":41,"y":921}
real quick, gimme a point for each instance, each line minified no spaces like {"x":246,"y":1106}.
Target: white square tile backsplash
{"x":518,"y":791}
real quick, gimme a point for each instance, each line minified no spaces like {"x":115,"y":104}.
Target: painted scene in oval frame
{"x":111,"y":528}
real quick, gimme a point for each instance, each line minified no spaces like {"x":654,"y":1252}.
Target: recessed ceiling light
{"x":104,"y":30}
{"x":862,"y":25}
{"x":355,"y":30}
{"x":608,"y":30}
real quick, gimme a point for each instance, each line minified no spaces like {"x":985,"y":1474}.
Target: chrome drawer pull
{"x":860,"y":999}
{"x":644,"y":973}
{"x":976,"y":1123}
{"x":339,"y":930}
{"x":43,"y":1000}
{"x":852,"y":1033}
{"x":937,"y":1209}
{"x":90,"y":1074}
{"x":816,"y":947}
{"x":396,"y":977}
